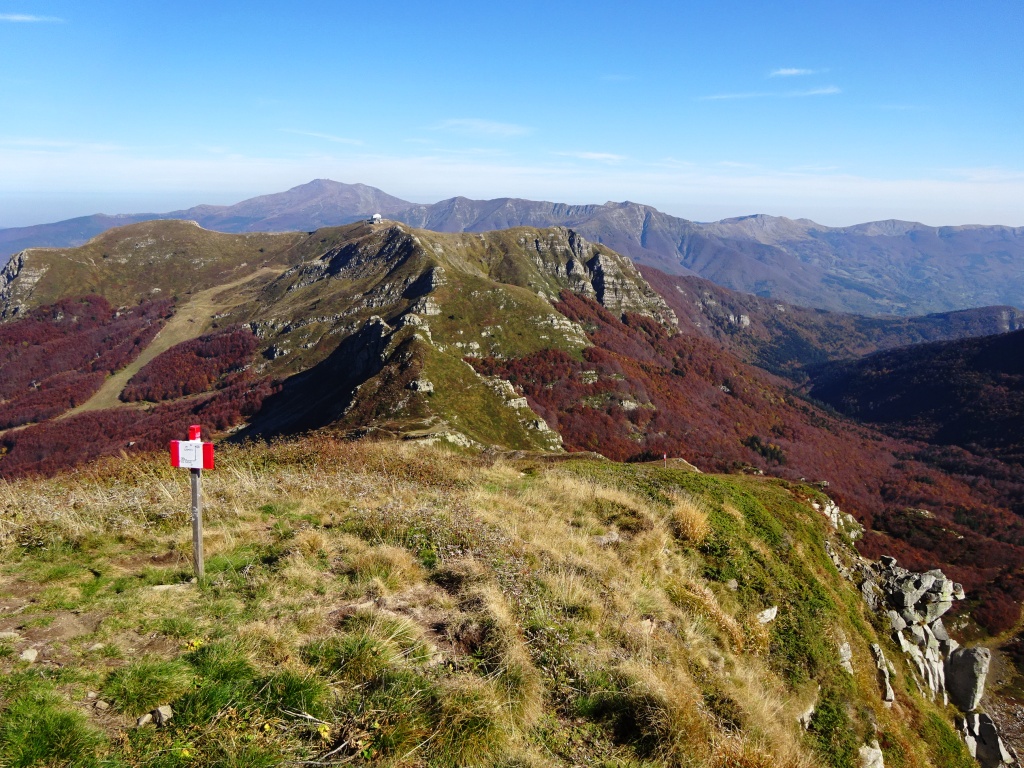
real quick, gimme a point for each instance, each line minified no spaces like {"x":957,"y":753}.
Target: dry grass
{"x":458,"y":610}
{"x":689,"y":518}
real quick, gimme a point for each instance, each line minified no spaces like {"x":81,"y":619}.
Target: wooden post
{"x":197,"y":523}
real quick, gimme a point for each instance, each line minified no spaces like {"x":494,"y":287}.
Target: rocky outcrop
{"x":421,"y":385}
{"x":871,"y":756}
{"x":912,"y":605}
{"x":8,"y":275}
{"x":592,"y":271}
{"x":966,"y":670}
{"x":9,"y":272}
{"x":982,"y":738}
{"x":882,"y":664}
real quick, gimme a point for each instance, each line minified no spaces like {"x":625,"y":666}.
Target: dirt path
{"x":190,"y":320}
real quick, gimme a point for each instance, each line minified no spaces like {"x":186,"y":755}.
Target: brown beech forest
{"x":58,"y":356}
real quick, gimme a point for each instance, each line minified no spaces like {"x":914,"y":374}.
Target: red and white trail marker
{"x":195,"y":455}
{"x":192,"y":453}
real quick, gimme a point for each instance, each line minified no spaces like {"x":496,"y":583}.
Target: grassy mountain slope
{"x":162,"y":259}
{"x":334,"y":310}
{"x":641,"y":392}
{"x":394,"y":604}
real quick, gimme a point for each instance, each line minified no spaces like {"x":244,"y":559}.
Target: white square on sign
{"x":190,"y":454}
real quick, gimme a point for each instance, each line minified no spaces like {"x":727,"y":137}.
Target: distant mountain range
{"x":886,"y":267}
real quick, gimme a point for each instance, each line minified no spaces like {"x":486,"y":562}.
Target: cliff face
{"x":9,"y":304}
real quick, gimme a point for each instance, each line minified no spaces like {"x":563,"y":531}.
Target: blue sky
{"x":836,"y":111}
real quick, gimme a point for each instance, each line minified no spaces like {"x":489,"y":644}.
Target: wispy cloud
{"x":828,"y":90}
{"x":26,"y":18}
{"x":732,"y":96}
{"x":790,"y":72}
{"x":482,"y":127}
{"x":605,"y":157}
{"x":325,"y":137}
{"x":30,"y":144}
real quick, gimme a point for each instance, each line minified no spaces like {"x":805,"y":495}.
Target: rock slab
{"x":966,"y":670}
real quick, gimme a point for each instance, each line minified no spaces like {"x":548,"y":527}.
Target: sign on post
{"x":195,"y":455}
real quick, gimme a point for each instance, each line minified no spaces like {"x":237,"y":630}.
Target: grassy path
{"x":190,"y":320}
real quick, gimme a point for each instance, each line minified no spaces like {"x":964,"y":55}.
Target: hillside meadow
{"x":394,"y":603}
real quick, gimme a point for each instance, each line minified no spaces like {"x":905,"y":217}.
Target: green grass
{"x":407,"y":605}
{"x":38,"y":727}
{"x":944,"y":744}
{"x":146,"y":684}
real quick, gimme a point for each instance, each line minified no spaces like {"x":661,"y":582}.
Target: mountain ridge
{"x":885,"y":267}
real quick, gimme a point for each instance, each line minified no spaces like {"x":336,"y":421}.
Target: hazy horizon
{"x":162,"y":204}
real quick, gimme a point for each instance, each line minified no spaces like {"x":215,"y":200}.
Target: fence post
{"x":197,"y":523}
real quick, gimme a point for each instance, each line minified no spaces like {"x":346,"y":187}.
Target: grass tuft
{"x":147,"y":684}
{"x":36,"y":728}
{"x":689,"y":519}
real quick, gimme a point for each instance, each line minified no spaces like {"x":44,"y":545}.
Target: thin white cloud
{"x":828,"y":90}
{"x":325,"y":137}
{"x":25,"y":18}
{"x":482,"y":127}
{"x":790,"y":72}
{"x":732,"y":96}
{"x":606,"y":157}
